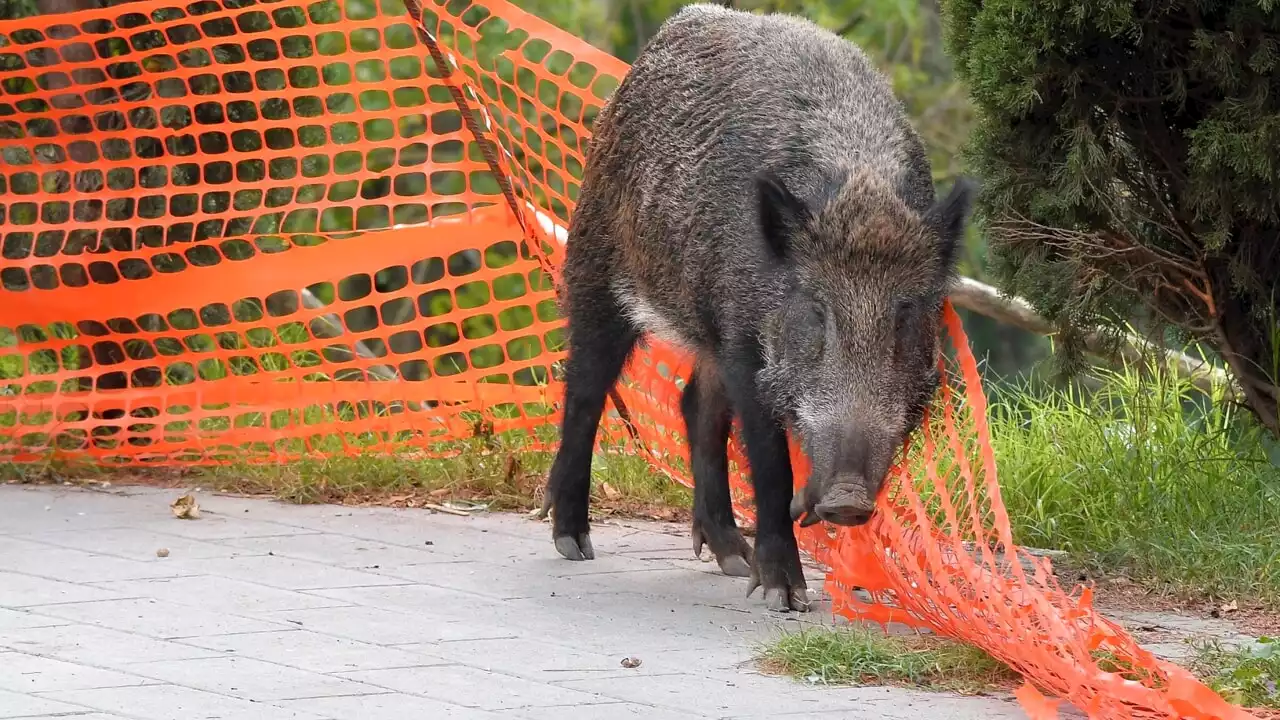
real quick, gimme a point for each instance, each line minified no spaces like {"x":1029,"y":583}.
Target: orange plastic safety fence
{"x":247,"y":230}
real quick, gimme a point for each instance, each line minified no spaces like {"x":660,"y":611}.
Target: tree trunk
{"x":1245,"y":339}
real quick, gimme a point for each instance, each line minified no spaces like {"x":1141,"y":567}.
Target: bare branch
{"x":986,"y":300}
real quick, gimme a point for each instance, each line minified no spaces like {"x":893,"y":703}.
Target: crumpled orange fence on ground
{"x":255,"y":231}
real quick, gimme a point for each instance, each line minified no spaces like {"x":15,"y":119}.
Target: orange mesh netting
{"x":246,"y":230}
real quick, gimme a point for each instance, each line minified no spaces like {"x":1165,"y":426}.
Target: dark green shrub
{"x":1130,"y":153}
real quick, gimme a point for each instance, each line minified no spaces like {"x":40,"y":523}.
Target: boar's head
{"x":851,"y":353}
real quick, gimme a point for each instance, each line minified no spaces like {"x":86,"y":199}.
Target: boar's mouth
{"x":844,"y":504}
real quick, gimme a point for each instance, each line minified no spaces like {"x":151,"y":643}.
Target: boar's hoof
{"x":734,"y":566}
{"x":782,"y":599}
{"x":735,"y":562}
{"x":799,"y":505}
{"x":576,"y":548}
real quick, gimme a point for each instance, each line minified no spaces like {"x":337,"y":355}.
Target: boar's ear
{"x":782,"y":214}
{"x":948,"y":216}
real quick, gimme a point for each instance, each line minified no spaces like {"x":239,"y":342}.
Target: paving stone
{"x":171,"y":702}
{"x":323,"y":518}
{"x":251,"y":507}
{"x":27,"y":591}
{"x":1173,"y":651}
{"x":470,"y":687}
{"x":478,"y":537}
{"x":13,"y":620}
{"x":74,"y":716}
{"x":633,"y":539}
{"x":133,"y":544}
{"x":649,"y":627}
{"x":430,"y":602}
{"x":470,"y":539}
{"x":390,"y":706}
{"x":20,"y":672}
{"x":214,"y":527}
{"x":526,"y":657}
{"x":313,"y":652}
{"x":249,"y":679}
{"x":608,"y":711}
{"x":43,"y":509}
{"x":489,"y":580}
{"x":158,"y":619}
{"x":389,"y":627}
{"x":1186,"y":627}
{"x":78,"y":566}
{"x":722,"y":655}
{"x":281,"y":572}
{"x":24,"y":705}
{"x":605,"y":563}
{"x":338,"y":550}
{"x":99,"y":646}
{"x":219,"y":594}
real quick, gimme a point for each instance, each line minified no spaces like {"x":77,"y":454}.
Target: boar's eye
{"x":814,"y":318}
{"x":906,"y":326}
{"x":928,"y":387}
{"x":805,"y":329}
{"x":813,"y":324}
{"x":906,"y":311}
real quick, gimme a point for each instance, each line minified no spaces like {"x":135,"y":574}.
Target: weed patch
{"x":858,"y":656}
{"x":1146,"y":478}
{"x":1248,"y":676}
{"x":501,"y":476}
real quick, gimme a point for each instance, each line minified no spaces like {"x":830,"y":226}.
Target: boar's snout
{"x":844,"y":502}
{"x":849,"y":471}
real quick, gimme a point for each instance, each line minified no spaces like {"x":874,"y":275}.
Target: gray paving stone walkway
{"x":265,"y":611}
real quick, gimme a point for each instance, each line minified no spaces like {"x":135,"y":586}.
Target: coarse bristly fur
{"x":755,"y":194}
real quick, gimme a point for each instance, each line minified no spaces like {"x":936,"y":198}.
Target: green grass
{"x":496,"y":471}
{"x":1146,"y":478}
{"x":505,"y":478}
{"x":1248,"y":676}
{"x":858,"y":656}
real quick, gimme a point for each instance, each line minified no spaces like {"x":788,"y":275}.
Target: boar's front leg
{"x":600,"y":339}
{"x":777,"y":556}
{"x":707,"y":419}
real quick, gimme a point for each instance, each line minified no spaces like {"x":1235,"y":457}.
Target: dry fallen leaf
{"x":610,"y":491}
{"x":185,"y":508}
{"x":631,"y":662}
{"x":162,"y":552}
{"x":1230,"y":607}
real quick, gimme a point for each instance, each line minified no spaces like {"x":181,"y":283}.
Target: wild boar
{"x":755,"y":194}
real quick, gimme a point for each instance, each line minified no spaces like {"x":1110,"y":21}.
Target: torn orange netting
{"x":246,"y":230}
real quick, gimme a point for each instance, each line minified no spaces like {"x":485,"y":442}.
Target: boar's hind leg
{"x":777,"y":556}
{"x":600,"y":339}
{"x":707,"y":417}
